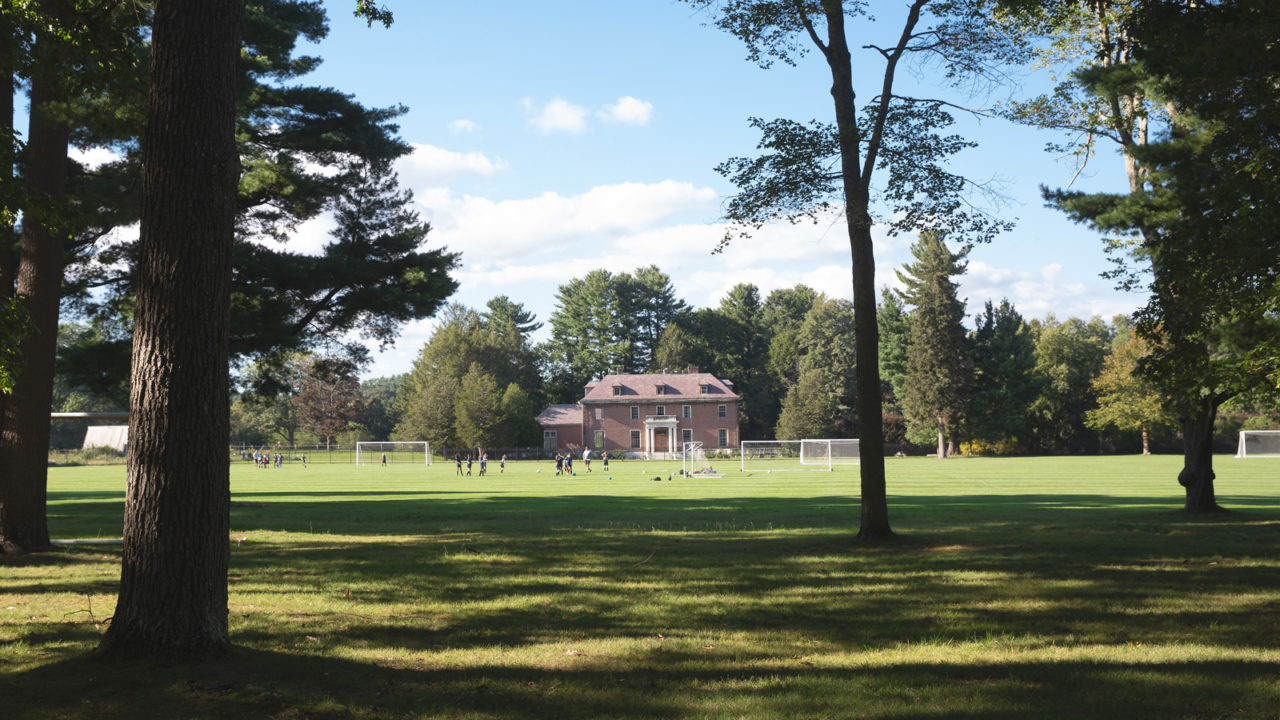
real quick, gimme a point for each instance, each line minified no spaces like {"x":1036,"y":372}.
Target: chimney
{"x":693,"y":370}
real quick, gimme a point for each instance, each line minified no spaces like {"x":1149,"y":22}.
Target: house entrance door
{"x":660,"y":443}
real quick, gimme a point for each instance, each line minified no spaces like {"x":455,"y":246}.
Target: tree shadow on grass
{"x":250,"y":683}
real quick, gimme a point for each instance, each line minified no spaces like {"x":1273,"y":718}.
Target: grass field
{"x":1041,"y":587}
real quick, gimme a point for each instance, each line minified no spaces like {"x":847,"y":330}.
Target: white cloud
{"x":462,"y":126}
{"x":559,"y":115}
{"x":628,"y":111}
{"x":94,"y":157}
{"x":517,"y":232}
{"x":1037,"y":293}
{"x":429,"y":166}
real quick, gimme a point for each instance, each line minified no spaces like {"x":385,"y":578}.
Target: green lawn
{"x":1047,"y":587}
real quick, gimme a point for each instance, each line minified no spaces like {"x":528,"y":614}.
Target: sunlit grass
{"x":1058,"y":587}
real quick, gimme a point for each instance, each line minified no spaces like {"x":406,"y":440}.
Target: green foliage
{"x":938,"y":370}
{"x":809,"y":409}
{"x":304,"y":150}
{"x":1126,"y":399}
{"x":478,"y":408}
{"x":894,"y":324}
{"x":606,"y":323}
{"x":14,"y":325}
{"x":501,"y":312}
{"x":1069,"y":355}
{"x":1005,"y":383}
{"x":455,"y":393}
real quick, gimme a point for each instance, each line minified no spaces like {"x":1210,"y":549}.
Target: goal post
{"x":415,"y":452}
{"x":694,"y":462}
{"x":775,"y":456}
{"x":826,"y":452}
{"x":1258,"y":443}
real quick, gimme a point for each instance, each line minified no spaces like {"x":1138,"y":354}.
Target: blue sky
{"x":557,"y":137}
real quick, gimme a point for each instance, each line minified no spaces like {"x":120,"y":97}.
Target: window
{"x":662,"y":410}
{"x":635,"y":412}
{"x":686,"y":411}
{"x":599,"y":440}
{"x":660,"y":389}
{"x":722,"y":436}
{"x":635,"y":439}
{"x":599,"y":413}
{"x":686,"y":435}
{"x":722,"y":412}
{"x":617,"y":389}
{"x":549,"y":440}
{"x":703,"y":389}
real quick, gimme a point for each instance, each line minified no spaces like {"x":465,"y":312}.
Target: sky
{"x":554,"y":138}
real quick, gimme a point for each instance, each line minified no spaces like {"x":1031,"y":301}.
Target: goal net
{"x":1259,"y":443}
{"x":826,"y":452}
{"x":775,"y":456}
{"x":417,"y":452}
{"x":695,"y":462}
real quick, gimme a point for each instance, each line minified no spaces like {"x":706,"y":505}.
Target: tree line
{"x":956,"y":379}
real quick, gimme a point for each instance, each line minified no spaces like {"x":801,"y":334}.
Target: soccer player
{"x":457,"y":459}
{"x":502,"y":464}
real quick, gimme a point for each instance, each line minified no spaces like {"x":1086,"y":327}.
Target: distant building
{"x":646,"y":415}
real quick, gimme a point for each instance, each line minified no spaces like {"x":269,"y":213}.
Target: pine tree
{"x":1004,"y":380}
{"x":938,"y":372}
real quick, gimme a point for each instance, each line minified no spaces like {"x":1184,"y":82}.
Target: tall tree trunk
{"x":173,"y":581}
{"x":1197,"y":456}
{"x":942,"y":440}
{"x":875,"y":505}
{"x":24,"y":435}
{"x":1146,"y":441}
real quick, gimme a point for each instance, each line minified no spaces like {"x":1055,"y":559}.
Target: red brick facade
{"x":649,"y":415}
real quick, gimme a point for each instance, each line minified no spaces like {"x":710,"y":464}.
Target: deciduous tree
{"x":806,"y":169}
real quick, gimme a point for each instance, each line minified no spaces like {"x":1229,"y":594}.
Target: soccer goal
{"x":417,"y":452}
{"x":825,"y":452}
{"x":695,"y":463}
{"x":1259,"y":443}
{"x":774,"y":456}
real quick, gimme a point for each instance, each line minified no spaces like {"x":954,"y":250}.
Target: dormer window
{"x":660,"y":389}
{"x":617,"y":390}
{"x":704,"y":388}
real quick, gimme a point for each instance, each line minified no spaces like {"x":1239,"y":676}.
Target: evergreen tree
{"x":808,"y":409}
{"x":675,"y":349}
{"x":501,"y":311}
{"x":937,"y":378}
{"x":826,"y":342}
{"x":895,"y":336}
{"x":650,"y":301}
{"x":1005,"y":383}
{"x":589,"y":330}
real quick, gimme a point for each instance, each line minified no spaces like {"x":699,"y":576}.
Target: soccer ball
{"x":538,"y":470}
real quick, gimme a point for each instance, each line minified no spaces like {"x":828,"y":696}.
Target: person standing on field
{"x":502,"y":464}
{"x":586,"y":458}
{"x":384,"y":460}
{"x":457,"y":460}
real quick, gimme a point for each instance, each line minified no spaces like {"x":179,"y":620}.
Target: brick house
{"x":647,"y":415}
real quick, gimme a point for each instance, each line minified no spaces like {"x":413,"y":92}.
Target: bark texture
{"x":1197,"y":458}
{"x":875,"y":507}
{"x":24,"y":423}
{"x":173,"y":583}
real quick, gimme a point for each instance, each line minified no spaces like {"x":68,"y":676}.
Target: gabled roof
{"x":676,"y":387}
{"x":561,"y":415}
